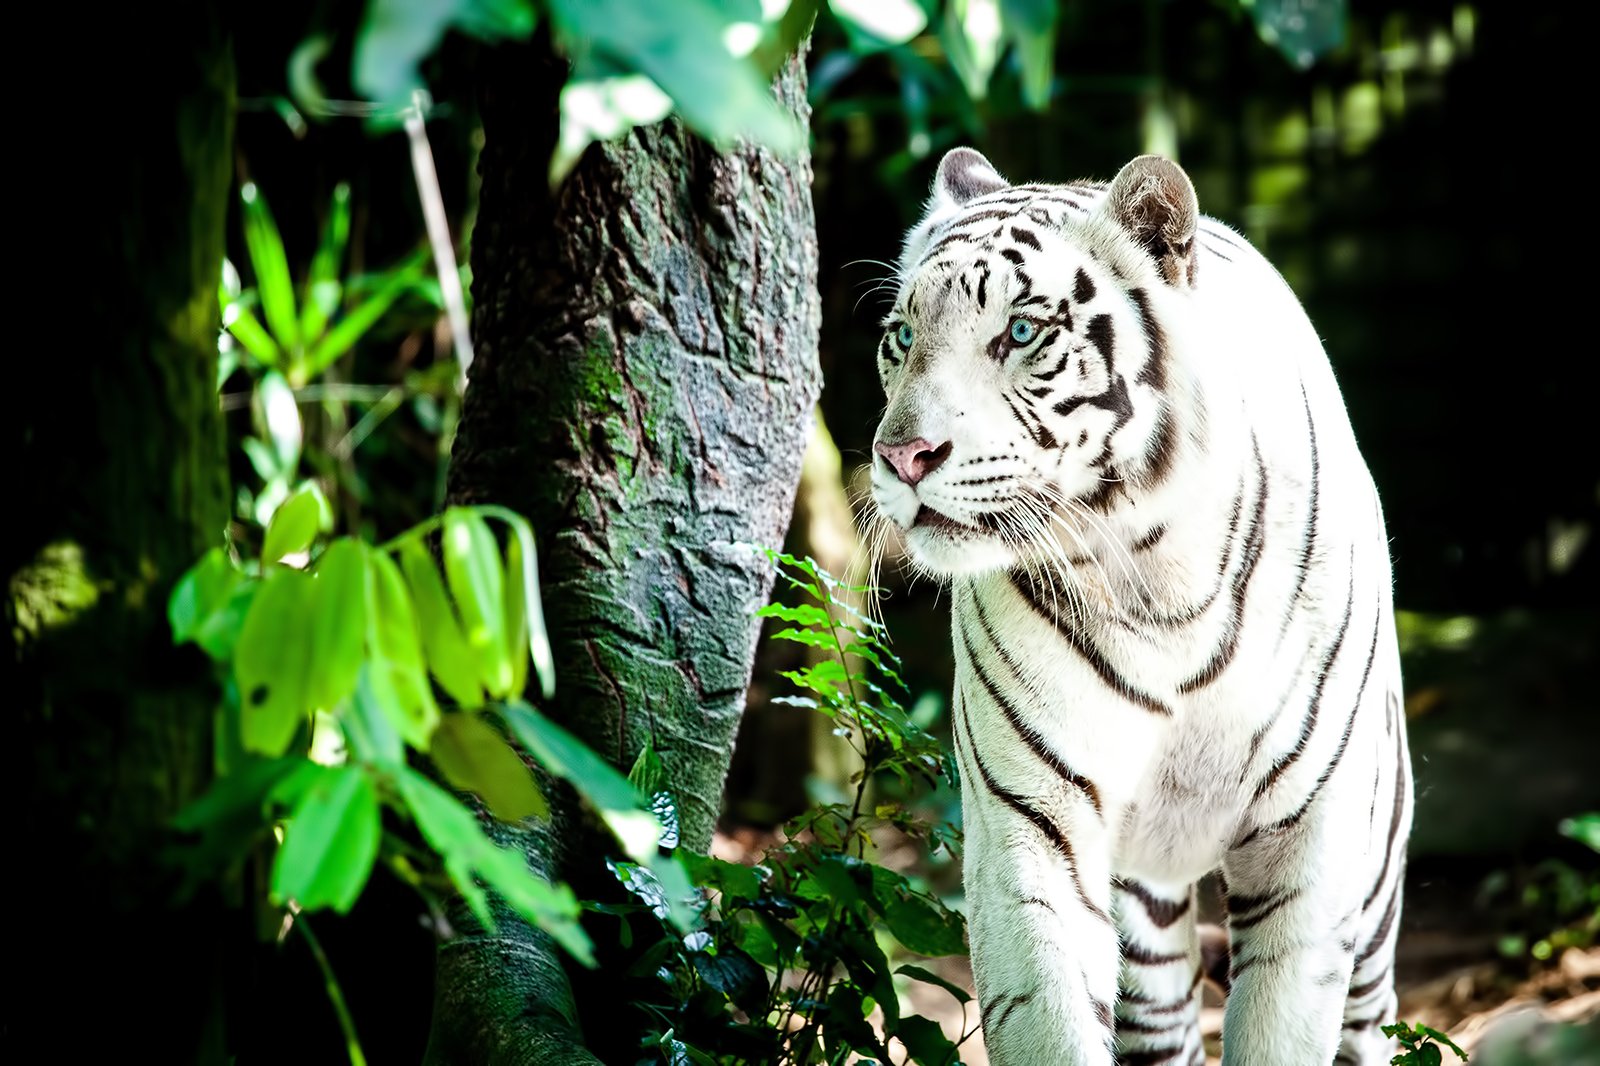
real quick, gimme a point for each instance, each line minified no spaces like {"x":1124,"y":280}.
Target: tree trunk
{"x":122,"y":485}
{"x":646,"y":370}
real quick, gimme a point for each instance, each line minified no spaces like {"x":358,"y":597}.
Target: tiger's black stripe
{"x":1008,"y":710}
{"x":1254,"y":541}
{"x":1309,"y":544}
{"x":1038,"y":819}
{"x":1162,"y":912}
{"x":1090,"y":654}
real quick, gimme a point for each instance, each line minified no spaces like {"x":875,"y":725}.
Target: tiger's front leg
{"x":1044,"y":949}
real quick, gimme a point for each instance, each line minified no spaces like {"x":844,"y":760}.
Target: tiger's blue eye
{"x":904,"y":335}
{"x":1021,"y":331}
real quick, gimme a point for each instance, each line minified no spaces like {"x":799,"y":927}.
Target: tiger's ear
{"x":964,"y":174}
{"x":1153,"y":200}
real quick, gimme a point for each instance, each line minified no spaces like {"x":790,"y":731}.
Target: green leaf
{"x":229,"y":814}
{"x":369,"y":726}
{"x":734,"y":880}
{"x":516,"y":617}
{"x":271,"y":267}
{"x":1442,"y":1038}
{"x":926,"y":1041}
{"x":248,"y":331}
{"x":917,"y":973}
{"x":397,"y":679}
{"x":805,"y":614}
{"x":923,"y":924}
{"x":338,"y":623}
{"x":453,"y":831}
{"x":477,"y":581}
{"x":538,"y":636}
{"x":874,"y":25}
{"x":330,"y":842}
{"x":397,"y":35}
{"x":1429,"y":1055}
{"x":1031,"y":24}
{"x":277,"y":417}
{"x":647,"y":775}
{"x":568,"y":758}
{"x":272,"y":663}
{"x":1584,"y":828}
{"x":475,"y":758}
{"x":680,"y":47}
{"x":356,"y":322}
{"x":203,"y":590}
{"x":449,"y":658}
{"x":294,"y":525}
{"x":1300,"y":31}
{"x":323,"y":289}
{"x":736,"y":975}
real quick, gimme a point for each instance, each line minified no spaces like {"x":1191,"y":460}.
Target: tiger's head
{"x":1026,"y":359}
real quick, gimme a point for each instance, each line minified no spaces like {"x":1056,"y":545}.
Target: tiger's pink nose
{"x":915,"y":459}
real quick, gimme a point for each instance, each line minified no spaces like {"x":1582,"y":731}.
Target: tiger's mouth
{"x":937,"y":521}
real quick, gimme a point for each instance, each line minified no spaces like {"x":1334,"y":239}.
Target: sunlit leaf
{"x":361,"y":318}
{"x":469,"y":855}
{"x":323,"y":288}
{"x":918,"y":973}
{"x":338,"y":623}
{"x":397,"y":679}
{"x":271,"y":267}
{"x":202,"y":591}
{"x":449,"y":658}
{"x":925,"y":1041}
{"x":538,"y":635}
{"x":272,"y":662}
{"x":330,"y":842}
{"x":681,"y":48}
{"x":369,"y":724}
{"x":1031,"y":25}
{"x":294,"y":525}
{"x":477,"y":583}
{"x":568,"y":758}
{"x":648,"y":774}
{"x":474,"y":757}
{"x":278,"y":418}
{"x":875,"y":24}
{"x":248,"y":331}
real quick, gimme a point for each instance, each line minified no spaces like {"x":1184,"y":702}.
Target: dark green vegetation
{"x":648,"y":334}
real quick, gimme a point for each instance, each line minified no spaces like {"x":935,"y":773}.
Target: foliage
{"x":793,"y":961}
{"x":302,"y":331}
{"x":1422,"y":1044}
{"x":328,"y":672}
{"x":1554,"y":905}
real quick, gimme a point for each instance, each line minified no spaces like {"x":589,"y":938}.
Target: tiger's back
{"x":1113,"y":428}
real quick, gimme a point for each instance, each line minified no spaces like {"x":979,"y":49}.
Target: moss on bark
{"x":645,"y":374}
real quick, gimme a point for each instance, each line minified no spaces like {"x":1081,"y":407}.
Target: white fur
{"x":1175,"y":768}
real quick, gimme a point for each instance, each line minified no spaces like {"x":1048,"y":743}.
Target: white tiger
{"x":1113,"y":430}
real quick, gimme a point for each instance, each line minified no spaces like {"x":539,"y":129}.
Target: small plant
{"x":793,"y":962}
{"x":1421,"y":1043}
{"x":328,"y":671}
{"x":1551,"y":906}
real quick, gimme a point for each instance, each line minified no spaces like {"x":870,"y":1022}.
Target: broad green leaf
{"x":294,"y":525}
{"x":273,"y":661}
{"x":477,"y":582}
{"x":1031,"y":24}
{"x":369,"y":726}
{"x":1584,"y":828}
{"x":359,"y":319}
{"x":568,"y":758}
{"x":680,"y":47}
{"x":323,"y":289}
{"x":917,"y":973}
{"x":971,"y":36}
{"x":1429,"y":1055}
{"x":925,"y":1041}
{"x":733,"y":880}
{"x":924,"y":925}
{"x":453,"y":831}
{"x":242,"y":794}
{"x":202,"y":591}
{"x":330,"y":842}
{"x":277,"y":416}
{"x":874,"y":25}
{"x":516,"y":617}
{"x":449,"y":658}
{"x":397,"y":35}
{"x":271,"y":267}
{"x":396,"y":677}
{"x":248,"y":331}
{"x":474,"y":757}
{"x":736,"y":975}
{"x":339,"y":623}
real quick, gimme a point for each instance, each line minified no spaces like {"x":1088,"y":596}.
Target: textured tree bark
{"x":122,"y":484}
{"x":645,"y":374}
